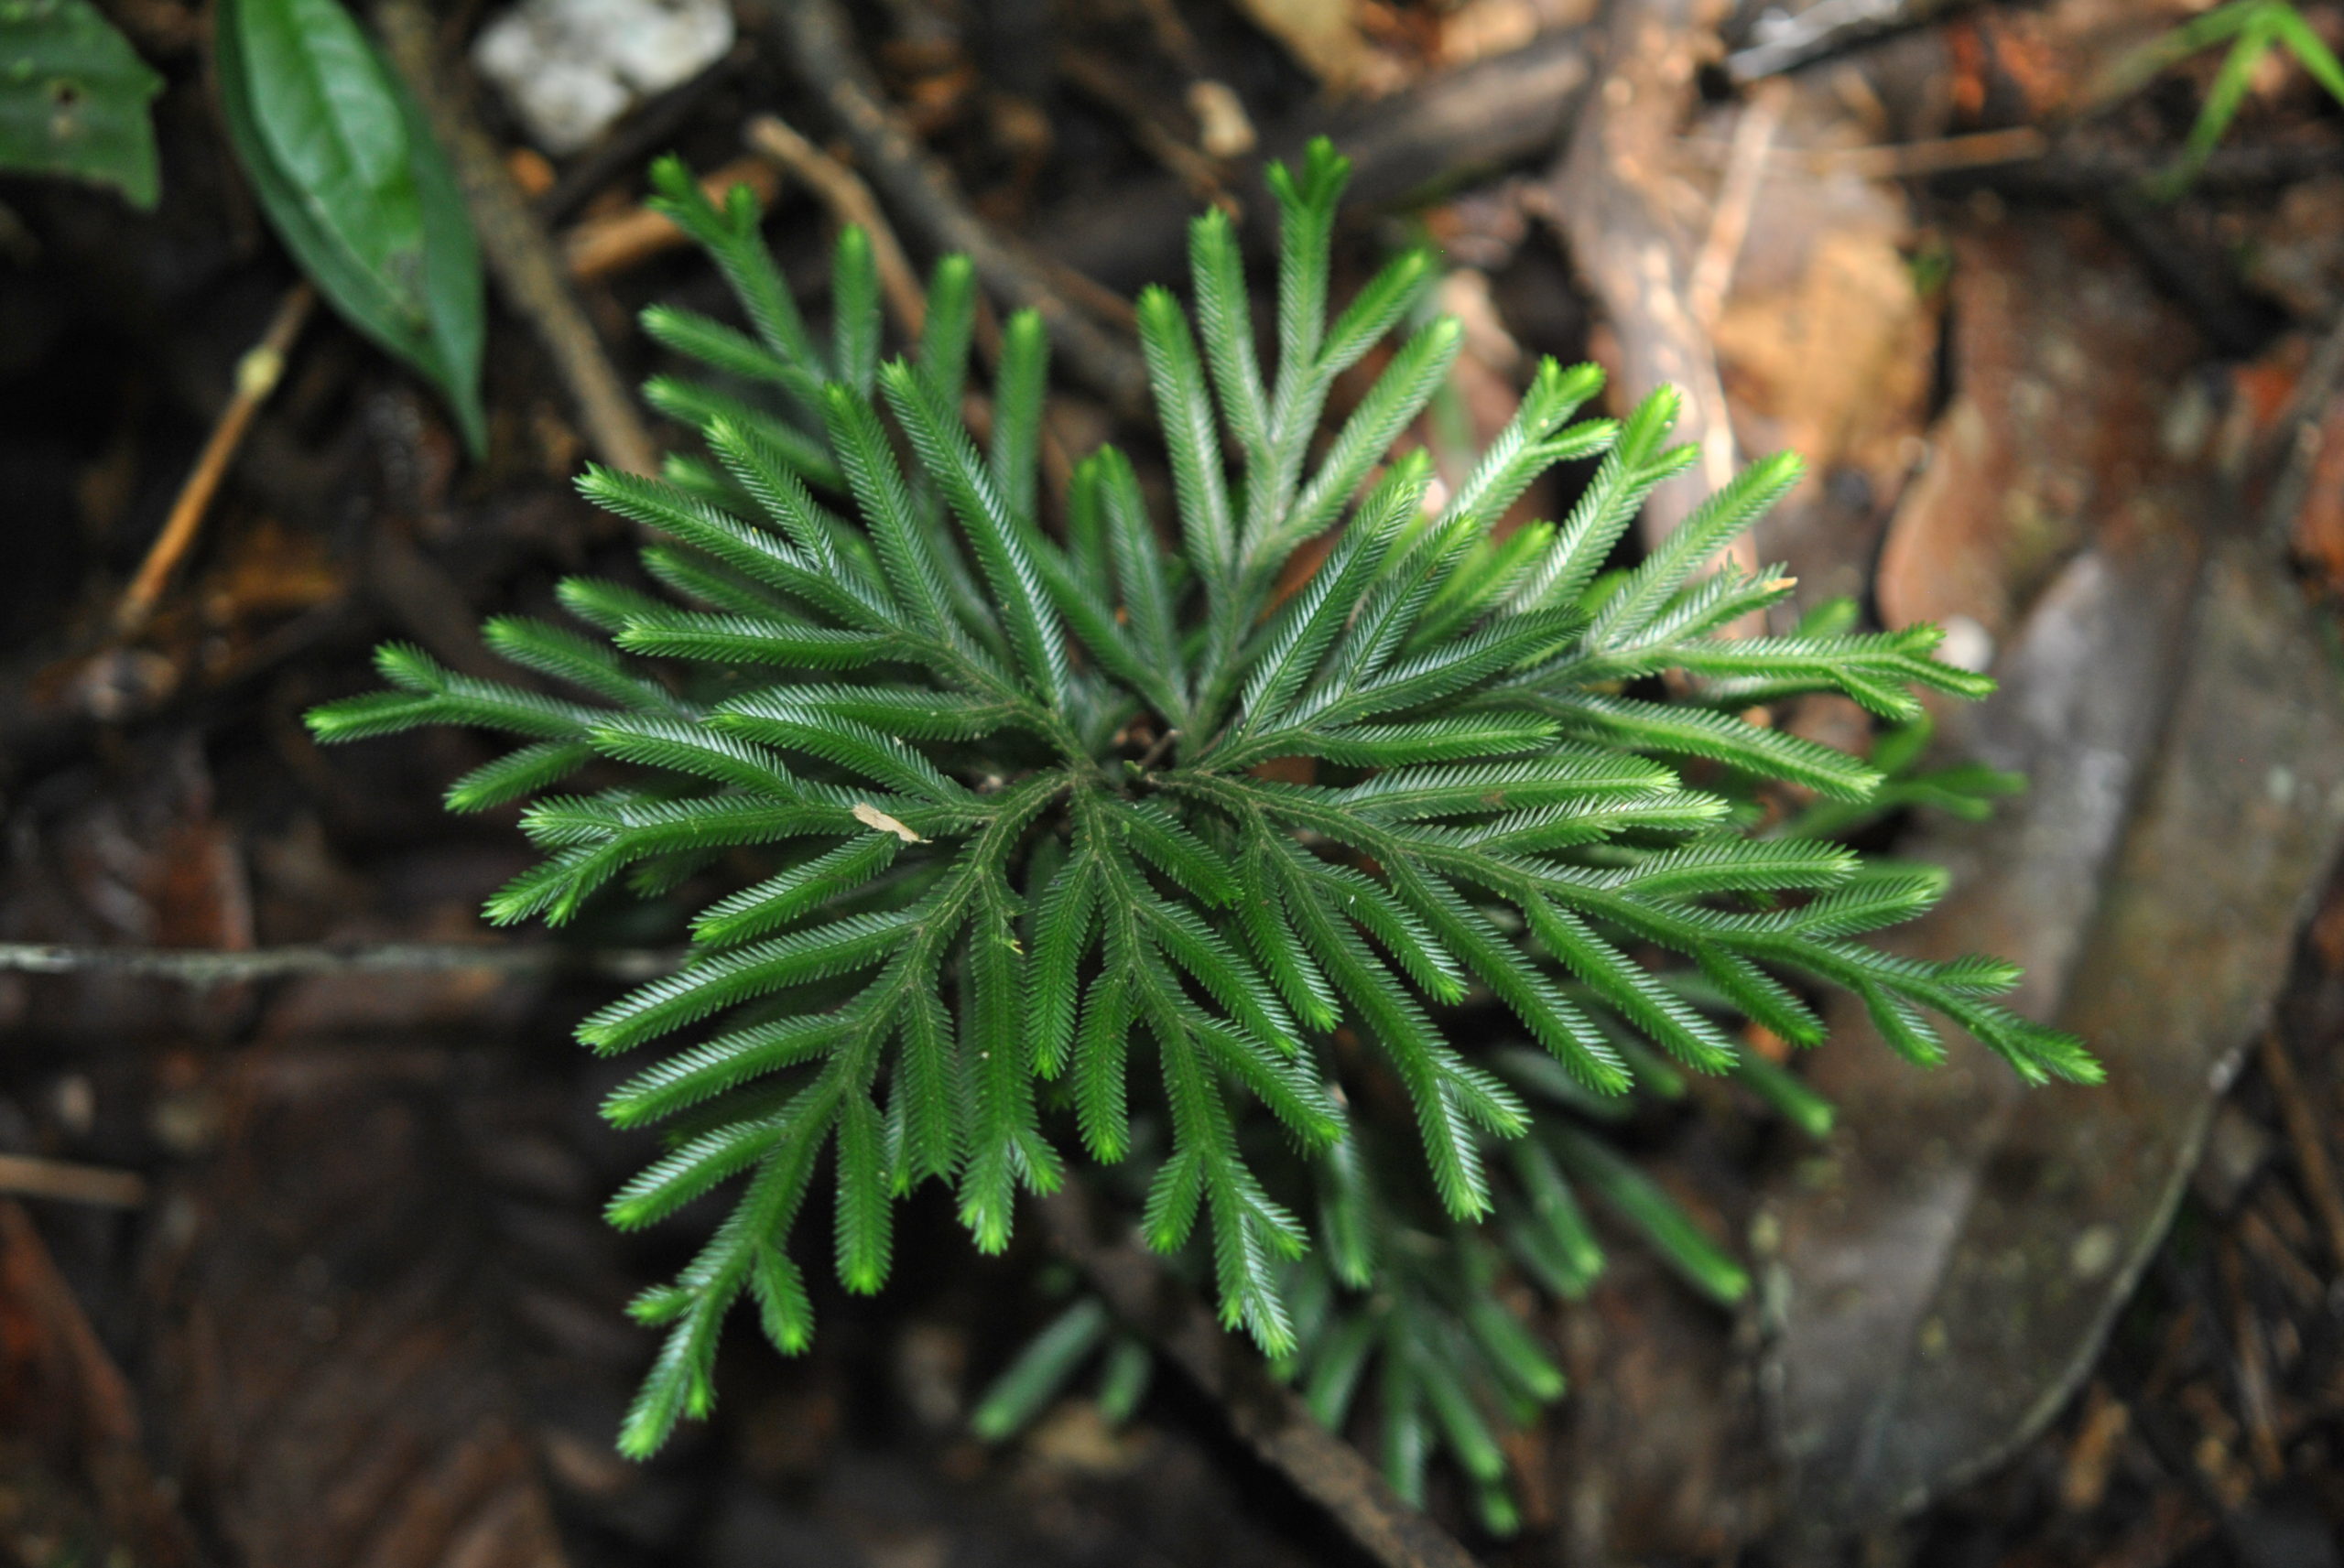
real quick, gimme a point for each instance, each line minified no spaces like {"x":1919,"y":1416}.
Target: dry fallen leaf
{"x":1325,"y":39}
{"x":871,"y":816}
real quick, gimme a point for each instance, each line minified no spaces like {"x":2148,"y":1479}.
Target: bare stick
{"x":24,"y":1175}
{"x":849,"y":201}
{"x":1486,"y":115}
{"x":1893,"y":160}
{"x":1266,"y":1413}
{"x":605,"y":246}
{"x":206,"y":966}
{"x":2298,"y":428}
{"x":527,"y":266}
{"x":1745,"y":172}
{"x":257,"y":373}
{"x":2312,"y":1162}
{"x":814,"y":34}
{"x":1104,"y":81}
{"x":1608,"y":198}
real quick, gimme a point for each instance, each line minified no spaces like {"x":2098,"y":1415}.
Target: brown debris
{"x":61,"y":1389}
{"x":345,"y":1393}
{"x":513,"y":243}
{"x":1620,"y":199}
{"x":2313,"y":1162}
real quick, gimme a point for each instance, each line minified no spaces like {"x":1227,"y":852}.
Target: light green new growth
{"x":2252,"y":29}
{"x":1025,"y":882}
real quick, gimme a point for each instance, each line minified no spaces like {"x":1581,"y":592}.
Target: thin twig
{"x":849,"y":201}
{"x":1264,"y":1412}
{"x":257,"y":373}
{"x":605,"y":246}
{"x":1915,"y":160}
{"x":1106,"y":82}
{"x":204,"y":967}
{"x":1487,"y":115}
{"x":1891,"y":160}
{"x":1745,"y":172}
{"x":1610,"y":199}
{"x":2299,"y":426}
{"x":815,"y":36}
{"x":647,"y":130}
{"x":2312,"y":1162}
{"x":2253,"y":1365}
{"x":1156,"y":748}
{"x":28,"y":1176}
{"x":519,"y":253}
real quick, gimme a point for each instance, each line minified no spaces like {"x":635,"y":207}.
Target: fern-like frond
{"x":992,"y":803}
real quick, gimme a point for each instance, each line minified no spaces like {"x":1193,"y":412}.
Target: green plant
{"x":2251,"y":28}
{"x":1031,"y":771}
{"x":355,"y":185}
{"x":74,"y":97}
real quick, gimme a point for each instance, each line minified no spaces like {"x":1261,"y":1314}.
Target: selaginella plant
{"x":1025,"y":880}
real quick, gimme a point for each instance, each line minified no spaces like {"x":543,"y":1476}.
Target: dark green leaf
{"x":346,"y":168}
{"x":73,"y":98}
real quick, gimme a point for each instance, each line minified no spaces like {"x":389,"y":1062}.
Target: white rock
{"x":569,"y":68}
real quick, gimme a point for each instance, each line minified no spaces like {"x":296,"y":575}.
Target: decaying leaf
{"x":1325,"y":39}
{"x":1945,"y":1277}
{"x":871,"y":816}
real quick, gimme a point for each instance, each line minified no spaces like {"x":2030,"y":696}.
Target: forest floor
{"x":309,"y":1268}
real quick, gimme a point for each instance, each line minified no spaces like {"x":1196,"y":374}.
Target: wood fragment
{"x":815,"y":37}
{"x":606,"y":246}
{"x":2312,"y":1162}
{"x":28,"y":1176}
{"x":1265,"y":1414}
{"x":849,"y":201}
{"x":205,"y":967}
{"x":1607,"y":198}
{"x":2083,"y":1483}
{"x":520,"y":255}
{"x":257,"y":373}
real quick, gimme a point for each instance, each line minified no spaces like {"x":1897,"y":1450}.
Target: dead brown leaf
{"x":2065,"y":361}
{"x":345,"y":1396}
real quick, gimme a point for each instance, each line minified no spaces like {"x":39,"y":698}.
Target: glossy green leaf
{"x":346,"y":170}
{"x":73,"y":98}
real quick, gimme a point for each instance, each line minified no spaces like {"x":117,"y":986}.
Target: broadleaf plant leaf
{"x":354,"y":182}
{"x":74,"y":97}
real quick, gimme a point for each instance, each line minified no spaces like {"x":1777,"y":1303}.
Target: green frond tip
{"x":1220,"y":842}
